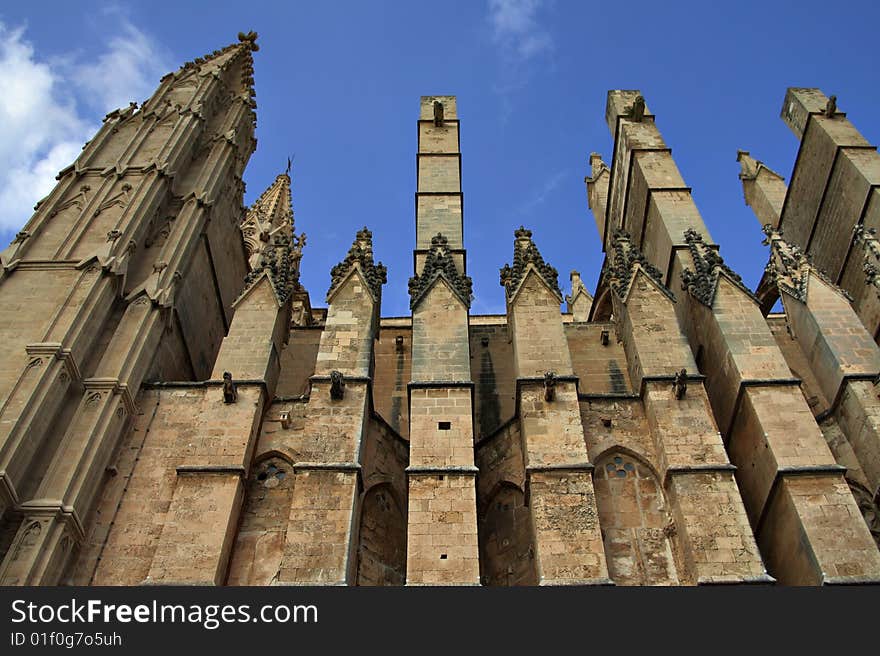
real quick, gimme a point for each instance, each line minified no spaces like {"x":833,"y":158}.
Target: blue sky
{"x":338,"y":85}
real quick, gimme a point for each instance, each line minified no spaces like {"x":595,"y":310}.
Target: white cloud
{"x":128,"y":71}
{"x":541,"y":194}
{"x":516,"y":30}
{"x":48,"y":109}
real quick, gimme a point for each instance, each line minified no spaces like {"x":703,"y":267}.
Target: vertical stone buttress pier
{"x":152,"y":184}
{"x":709,"y":524}
{"x":835,"y":187}
{"x":841,"y":353}
{"x":321,"y":541}
{"x":559,"y":475}
{"x":442,"y":519}
{"x":804,"y":517}
{"x":199,"y":530}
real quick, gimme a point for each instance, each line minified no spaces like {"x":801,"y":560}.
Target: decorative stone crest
{"x":621,"y":266}
{"x":867,"y":239}
{"x":360,"y":254}
{"x":439,"y":263}
{"x":702,"y":283}
{"x":525,"y":253}
{"x":280,"y":259}
{"x":789,"y":267}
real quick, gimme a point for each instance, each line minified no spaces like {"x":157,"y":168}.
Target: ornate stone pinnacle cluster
{"x":280,"y":259}
{"x":360,"y":253}
{"x":789,"y":266}
{"x":439,"y":263}
{"x":702,"y":283}
{"x":249,"y":40}
{"x":621,"y":265}
{"x":524,"y":253}
{"x":867,"y":239}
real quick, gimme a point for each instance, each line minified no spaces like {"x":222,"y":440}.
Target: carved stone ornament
{"x":789,"y":267}
{"x":621,"y":266}
{"x":337,"y":385}
{"x":866,"y":238}
{"x":702,"y":282}
{"x":680,"y":384}
{"x":525,"y":253}
{"x":230,"y":393}
{"x":438,"y":113}
{"x":550,"y":380}
{"x":280,"y":259}
{"x":439,"y":263}
{"x":360,"y":253}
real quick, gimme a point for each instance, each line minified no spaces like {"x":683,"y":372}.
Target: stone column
{"x":442,"y":518}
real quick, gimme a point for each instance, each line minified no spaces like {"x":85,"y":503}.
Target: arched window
{"x":634,"y":521}
{"x":259,"y":545}
{"x":382,"y":538}
{"x":506,"y":553}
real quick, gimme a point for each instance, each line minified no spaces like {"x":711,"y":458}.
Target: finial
{"x":637,"y":111}
{"x":287,"y":170}
{"x":831,"y":107}
{"x":250,"y":38}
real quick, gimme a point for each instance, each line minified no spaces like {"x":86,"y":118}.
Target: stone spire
{"x":702,"y":281}
{"x":526,"y":255}
{"x":597,"y":190}
{"x":440,"y":264}
{"x":763,"y":188}
{"x":271,"y":213}
{"x":246,"y":44}
{"x":270,"y":242}
{"x":360,"y":256}
{"x":580,"y":300}
{"x":623,"y":261}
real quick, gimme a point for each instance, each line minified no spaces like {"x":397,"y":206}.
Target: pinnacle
{"x":275,"y":193}
{"x":250,"y":38}
{"x":751,"y":167}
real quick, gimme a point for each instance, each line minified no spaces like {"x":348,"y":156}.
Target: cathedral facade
{"x":174,"y":410}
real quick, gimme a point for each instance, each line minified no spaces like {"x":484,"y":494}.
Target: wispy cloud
{"x":516,"y":30}
{"x":541,"y":193}
{"x":49,"y":108}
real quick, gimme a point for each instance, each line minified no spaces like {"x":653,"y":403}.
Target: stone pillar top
{"x":427,"y":107}
{"x":621,"y":103}
{"x":799,"y":103}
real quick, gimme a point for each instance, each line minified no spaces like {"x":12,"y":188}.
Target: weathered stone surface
{"x":174,"y":411}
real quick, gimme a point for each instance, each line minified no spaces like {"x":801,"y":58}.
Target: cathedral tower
{"x":132,"y":236}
